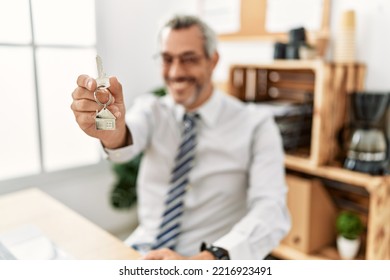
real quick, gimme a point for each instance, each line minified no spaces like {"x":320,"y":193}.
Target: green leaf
{"x":124,"y":194}
{"x":349,"y":225}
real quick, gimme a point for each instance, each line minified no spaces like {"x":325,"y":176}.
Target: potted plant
{"x":349,"y":227}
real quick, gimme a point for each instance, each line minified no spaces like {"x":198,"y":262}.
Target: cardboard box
{"x":313,"y":215}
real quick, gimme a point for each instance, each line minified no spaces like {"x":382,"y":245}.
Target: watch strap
{"x":218,"y":252}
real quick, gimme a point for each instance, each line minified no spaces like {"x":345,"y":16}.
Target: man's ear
{"x":215,"y":59}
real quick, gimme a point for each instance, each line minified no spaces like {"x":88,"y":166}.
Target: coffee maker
{"x":368,"y":147}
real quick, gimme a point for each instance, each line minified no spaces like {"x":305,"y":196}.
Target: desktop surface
{"x":72,"y":233}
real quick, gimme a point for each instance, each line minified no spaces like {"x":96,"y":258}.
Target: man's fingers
{"x":85,"y":120}
{"x":154,"y":255}
{"x":163,"y":254}
{"x":87,"y":86}
{"x":85,"y":105}
{"x":82,"y":93}
{"x":87,"y":82}
{"x":84,"y":100}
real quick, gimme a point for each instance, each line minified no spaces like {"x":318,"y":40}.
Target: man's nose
{"x":176,"y":69}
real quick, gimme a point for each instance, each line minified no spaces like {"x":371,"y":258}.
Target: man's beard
{"x":197,"y":91}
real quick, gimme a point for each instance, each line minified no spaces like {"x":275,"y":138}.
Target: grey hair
{"x":186,"y":21}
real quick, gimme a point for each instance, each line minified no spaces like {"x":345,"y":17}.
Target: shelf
{"x":288,"y":253}
{"x":294,"y":64}
{"x":285,"y":64}
{"x":342,"y":175}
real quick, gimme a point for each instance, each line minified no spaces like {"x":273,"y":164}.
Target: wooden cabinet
{"x":369,"y":196}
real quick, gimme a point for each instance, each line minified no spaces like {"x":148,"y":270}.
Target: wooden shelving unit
{"x":330,"y":85}
{"x":377,"y":244}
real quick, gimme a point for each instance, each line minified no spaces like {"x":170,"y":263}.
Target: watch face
{"x":219,"y":253}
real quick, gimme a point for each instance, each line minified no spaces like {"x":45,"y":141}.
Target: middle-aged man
{"x":212,"y":171}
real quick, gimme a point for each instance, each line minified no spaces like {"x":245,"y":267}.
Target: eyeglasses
{"x":186,"y":60}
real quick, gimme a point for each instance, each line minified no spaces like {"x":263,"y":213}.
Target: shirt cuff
{"x":249,"y":240}
{"x":236,"y":245}
{"x":120,"y":155}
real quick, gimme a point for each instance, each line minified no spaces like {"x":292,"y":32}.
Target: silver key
{"x":102,"y":79}
{"x":104,"y":119}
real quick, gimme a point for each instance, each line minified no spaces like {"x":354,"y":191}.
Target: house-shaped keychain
{"x":105,"y":120}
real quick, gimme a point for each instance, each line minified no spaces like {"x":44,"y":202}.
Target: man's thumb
{"x":116,"y":89}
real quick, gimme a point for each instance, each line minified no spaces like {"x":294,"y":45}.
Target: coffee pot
{"x":368,"y":147}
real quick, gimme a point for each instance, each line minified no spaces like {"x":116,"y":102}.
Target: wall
{"x":373,"y":42}
{"x":127,"y":40}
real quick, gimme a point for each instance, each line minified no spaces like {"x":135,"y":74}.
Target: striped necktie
{"x":174,"y":204}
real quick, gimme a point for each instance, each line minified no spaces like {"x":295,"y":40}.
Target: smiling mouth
{"x":181,"y":83}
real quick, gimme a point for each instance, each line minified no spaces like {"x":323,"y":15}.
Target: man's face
{"x":185,"y":67}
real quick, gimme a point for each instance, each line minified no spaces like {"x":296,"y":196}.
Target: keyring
{"x":100,"y":103}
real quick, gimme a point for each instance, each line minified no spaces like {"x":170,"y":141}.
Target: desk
{"x":77,"y":236}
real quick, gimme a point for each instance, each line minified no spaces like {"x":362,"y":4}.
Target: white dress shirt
{"x":237,"y":194}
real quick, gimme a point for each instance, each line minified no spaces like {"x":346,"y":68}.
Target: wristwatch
{"x":218,"y":252}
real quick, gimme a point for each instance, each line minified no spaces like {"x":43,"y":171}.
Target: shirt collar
{"x":208,"y":112}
